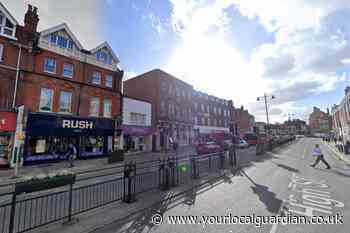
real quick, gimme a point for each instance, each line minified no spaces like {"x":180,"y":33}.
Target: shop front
{"x":137,"y":138}
{"x":7,"y":130}
{"x":49,"y":137}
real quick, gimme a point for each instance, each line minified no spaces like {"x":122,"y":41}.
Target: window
{"x":65,"y":102}
{"x":61,"y":41}
{"x":94,"y":106}
{"x":46,"y":100}
{"x":163,"y":85}
{"x":202,"y":107}
{"x":6,"y":27}
{"x":137,"y":118}
{"x":195,"y":120}
{"x":96,"y":78}
{"x":107,"y":108}
{"x":104,"y":57}
{"x":1,"y":51}
{"x":203,"y":121}
{"x":68,"y":70}
{"x":162,"y":108}
{"x":219,"y":111}
{"x":207,"y":108}
{"x":109,"y":80}
{"x":195,"y":106}
{"x":50,"y":65}
{"x":214,"y":110}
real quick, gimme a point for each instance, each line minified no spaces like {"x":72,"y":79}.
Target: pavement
{"x":340,"y":155}
{"x":80,"y":166}
{"x":280,"y":183}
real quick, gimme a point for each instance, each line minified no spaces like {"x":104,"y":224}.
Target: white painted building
{"x":137,"y":125}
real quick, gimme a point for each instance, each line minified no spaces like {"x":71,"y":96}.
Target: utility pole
{"x":265,"y":99}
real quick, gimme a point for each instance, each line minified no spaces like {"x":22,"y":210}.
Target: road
{"x":277,"y":184}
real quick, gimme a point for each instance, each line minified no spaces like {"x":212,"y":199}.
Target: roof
{"x":61,"y":27}
{"x":8,"y":14}
{"x":105,"y":45}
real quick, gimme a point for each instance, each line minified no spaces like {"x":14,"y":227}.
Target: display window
{"x":5,"y":146}
{"x":92,"y":146}
{"x":49,"y":147}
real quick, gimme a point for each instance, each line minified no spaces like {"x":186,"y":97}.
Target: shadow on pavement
{"x":265,"y":196}
{"x":291,"y":169}
{"x":141,"y":221}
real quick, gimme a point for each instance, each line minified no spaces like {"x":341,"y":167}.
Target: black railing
{"x":26,"y":212}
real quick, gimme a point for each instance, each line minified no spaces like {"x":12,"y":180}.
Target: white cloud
{"x":83,"y":17}
{"x":303,"y":62}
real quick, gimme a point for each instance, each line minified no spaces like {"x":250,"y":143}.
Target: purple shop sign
{"x":134,"y":130}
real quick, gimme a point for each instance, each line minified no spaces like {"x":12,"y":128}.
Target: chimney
{"x":328,"y":111}
{"x":242,"y":108}
{"x":31,"y":19}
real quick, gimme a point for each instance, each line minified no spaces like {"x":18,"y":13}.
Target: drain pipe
{"x":17,"y":76}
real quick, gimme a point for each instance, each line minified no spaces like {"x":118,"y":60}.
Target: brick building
{"x":244,"y":122}
{"x":59,"y":80}
{"x":171,"y":99}
{"x":341,"y":117}
{"x":319,"y":121}
{"x":212,"y":114}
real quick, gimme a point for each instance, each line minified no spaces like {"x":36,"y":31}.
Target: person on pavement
{"x":72,"y":154}
{"x":317,"y":152}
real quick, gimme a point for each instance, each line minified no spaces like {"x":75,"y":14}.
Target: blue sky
{"x":235,"y":49}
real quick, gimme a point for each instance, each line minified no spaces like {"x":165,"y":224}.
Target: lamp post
{"x":265,"y":98}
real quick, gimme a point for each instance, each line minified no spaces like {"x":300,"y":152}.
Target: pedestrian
{"x":72,"y":154}
{"x":317,"y":152}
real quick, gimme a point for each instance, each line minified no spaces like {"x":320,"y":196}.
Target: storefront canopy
{"x":135,"y":130}
{"x":40,"y":124}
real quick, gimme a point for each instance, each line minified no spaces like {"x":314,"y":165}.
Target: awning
{"x":135,"y":130}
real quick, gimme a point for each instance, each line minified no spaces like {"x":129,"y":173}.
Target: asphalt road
{"x":277,"y":184}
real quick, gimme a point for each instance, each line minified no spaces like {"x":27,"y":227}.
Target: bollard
{"x":129,"y":183}
{"x":194,"y":168}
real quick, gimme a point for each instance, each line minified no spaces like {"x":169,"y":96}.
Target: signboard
{"x":39,"y":124}
{"x":8,"y":121}
{"x":134,"y":130}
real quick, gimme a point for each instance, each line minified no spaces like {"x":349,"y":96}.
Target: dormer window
{"x":61,"y":41}
{"x":104,"y":57}
{"x":6,"y":26}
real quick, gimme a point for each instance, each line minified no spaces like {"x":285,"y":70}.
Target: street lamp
{"x":265,"y":99}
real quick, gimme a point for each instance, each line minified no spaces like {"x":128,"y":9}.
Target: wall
{"x":137,"y":106}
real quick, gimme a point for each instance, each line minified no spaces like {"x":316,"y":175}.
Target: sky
{"x":296,"y":50}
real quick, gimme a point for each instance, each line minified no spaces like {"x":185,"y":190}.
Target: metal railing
{"x":26,"y":212}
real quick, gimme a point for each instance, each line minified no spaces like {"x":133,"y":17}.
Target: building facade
{"x":341,"y":117}
{"x":57,"y":80}
{"x":171,"y":100}
{"x":212,"y":115}
{"x":244,"y":122}
{"x":137,"y":125}
{"x":319,"y":121}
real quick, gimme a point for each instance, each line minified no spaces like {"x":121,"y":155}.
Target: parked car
{"x":208,"y":148}
{"x":242,"y":144}
{"x":251,"y":139}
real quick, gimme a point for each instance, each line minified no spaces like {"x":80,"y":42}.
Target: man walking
{"x":72,"y":154}
{"x":317,"y":152}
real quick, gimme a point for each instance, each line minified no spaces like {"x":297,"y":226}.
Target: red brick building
{"x":319,"y":121}
{"x":57,"y":77}
{"x":244,"y":122}
{"x":212,"y":114}
{"x":171,"y":99}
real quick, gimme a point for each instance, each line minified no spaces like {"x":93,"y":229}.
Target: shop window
{"x":109,"y":80}
{"x":65,"y":102}
{"x":49,"y":147}
{"x":68,"y":70}
{"x":94,"y":106}
{"x":92,"y":146}
{"x":107,"y":108}
{"x":46,"y":100}
{"x":96,"y":78}
{"x":50,"y":65}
